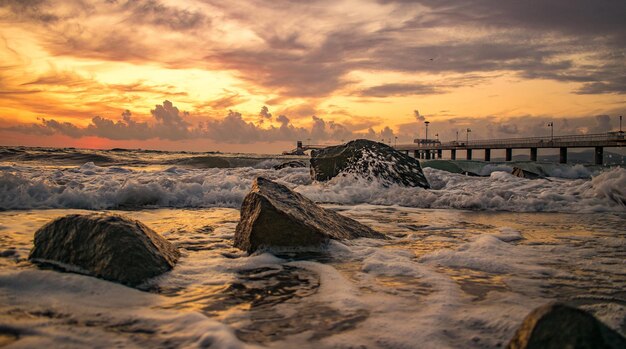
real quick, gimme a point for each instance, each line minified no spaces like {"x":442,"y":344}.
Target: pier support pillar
{"x":563,"y":155}
{"x":487,"y":154}
{"x":416,"y":154}
{"x":427,"y":155}
{"x":509,"y":154}
{"x":452,"y":154}
{"x":439,"y":153}
{"x":469,"y":154}
{"x":533,"y":154}
{"x":599,"y":155}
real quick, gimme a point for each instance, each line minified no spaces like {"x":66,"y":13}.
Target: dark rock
{"x":107,"y":246}
{"x":519,"y":172}
{"x":368,"y":159}
{"x":274,"y":216}
{"x":290,"y":164}
{"x":557,"y":325}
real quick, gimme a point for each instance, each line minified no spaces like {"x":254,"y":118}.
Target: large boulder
{"x":108,"y":246}
{"x":368,"y":159}
{"x":555,"y":326}
{"x":274,"y":216}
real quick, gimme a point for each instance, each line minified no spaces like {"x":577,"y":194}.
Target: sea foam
{"x":95,"y":187}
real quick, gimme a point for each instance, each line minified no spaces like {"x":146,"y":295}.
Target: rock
{"x":370,"y":160}
{"x":290,"y":164}
{"x":557,"y":325}
{"x":519,"y":172}
{"x":274,"y":216}
{"x":111,"y":247}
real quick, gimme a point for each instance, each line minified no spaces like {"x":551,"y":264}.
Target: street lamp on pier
{"x":437,"y":135}
{"x":457,"y":136}
{"x":426,"y":123}
{"x":620,"y":124}
{"x":467,"y":136}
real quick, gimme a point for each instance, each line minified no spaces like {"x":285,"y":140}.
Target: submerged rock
{"x":290,"y":164}
{"x":111,"y":247}
{"x":368,"y":159}
{"x":519,"y":172}
{"x":557,"y":325}
{"x":274,"y":216}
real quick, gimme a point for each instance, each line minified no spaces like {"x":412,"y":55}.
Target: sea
{"x":466,"y":261}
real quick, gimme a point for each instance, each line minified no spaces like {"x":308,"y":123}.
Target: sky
{"x":256,"y":76}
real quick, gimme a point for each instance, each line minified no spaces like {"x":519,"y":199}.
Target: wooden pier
{"x":433,"y":149}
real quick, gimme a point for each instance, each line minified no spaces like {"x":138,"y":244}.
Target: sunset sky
{"x":255,"y":76}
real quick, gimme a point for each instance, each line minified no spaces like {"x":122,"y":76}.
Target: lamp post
{"x":457,"y":136}
{"x":620,"y":124}
{"x":551,"y":124}
{"x":467,"y":136}
{"x":426,"y":123}
{"x":437,"y":135}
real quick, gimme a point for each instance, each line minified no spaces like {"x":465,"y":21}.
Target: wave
{"x":94,"y":187}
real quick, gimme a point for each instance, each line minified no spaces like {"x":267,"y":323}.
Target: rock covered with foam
{"x":557,"y":325}
{"x":108,"y":246}
{"x":273,"y":216}
{"x":368,"y":159}
{"x":290,"y":164}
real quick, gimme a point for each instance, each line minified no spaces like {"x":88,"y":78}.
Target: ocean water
{"x":467,"y":259}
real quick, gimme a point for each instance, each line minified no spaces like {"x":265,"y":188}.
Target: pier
{"x":433,"y":149}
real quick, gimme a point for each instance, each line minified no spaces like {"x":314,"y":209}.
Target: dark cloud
{"x":224,"y":102}
{"x":123,"y":129}
{"x":578,"y":17}
{"x":616,"y":85}
{"x":419,"y":117}
{"x":168,"y":122}
{"x":50,"y":127}
{"x":156,"y":13}
{"x":388,"y":90}
{"x":265,"y":113}
{"x":577,"y":41}
{"x":37,"y":10}
{"x":510,"y":129}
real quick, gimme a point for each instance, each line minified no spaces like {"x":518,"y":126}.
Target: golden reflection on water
{"x":204,"y":232}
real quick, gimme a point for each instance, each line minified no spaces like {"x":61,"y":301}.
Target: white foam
{"x":490,"y":254}
{"x":74,"y":301}
{"x":93,"y":187}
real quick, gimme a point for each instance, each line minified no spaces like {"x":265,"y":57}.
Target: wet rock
{"x":111,"y":247}
{"x":290,"y":164}
{"x":557,"y":325}
{"x":274,"y":216}
{"x":368,"y":159}
{"x":519,"y":172}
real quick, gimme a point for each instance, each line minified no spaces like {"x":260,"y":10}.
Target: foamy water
{"x":24,"y":186}
{"x":467,"y":259}
{"x":446,"y":279}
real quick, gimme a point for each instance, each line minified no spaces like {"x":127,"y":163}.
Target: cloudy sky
{"x":255,"y":76}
